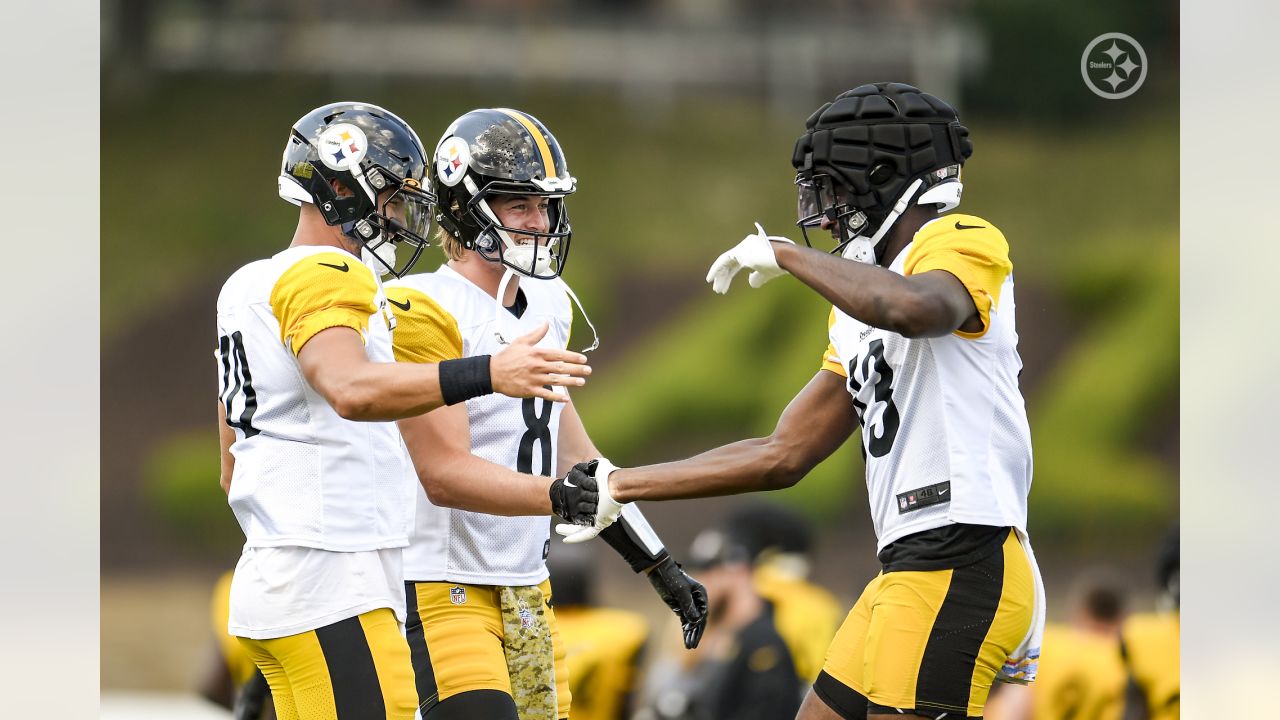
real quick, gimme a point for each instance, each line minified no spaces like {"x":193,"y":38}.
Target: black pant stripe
{"x":475,"y":705}
{"x":951,"y":654}
{"x":424,"y":676}
{"x":356,"y":691}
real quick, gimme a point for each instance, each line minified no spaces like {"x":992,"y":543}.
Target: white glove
{"x":607,"y":509}
{"x":754,"y":252}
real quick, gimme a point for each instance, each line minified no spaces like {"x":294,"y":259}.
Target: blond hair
{"x":451,"y":245}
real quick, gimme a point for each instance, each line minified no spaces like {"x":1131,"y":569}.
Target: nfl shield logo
{"x":458,"y":595}
{"x":526,"y":617}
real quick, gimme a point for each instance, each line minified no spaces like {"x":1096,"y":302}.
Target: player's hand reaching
{"x":574,"y":497}
{"x":754,"y":253}
{"x":685,"y":596}
{"x":586,"y":522}
{"x":522,"y":369}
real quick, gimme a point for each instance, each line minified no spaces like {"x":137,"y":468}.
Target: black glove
{"x":574,"y":496}
{"x":685,"y":596}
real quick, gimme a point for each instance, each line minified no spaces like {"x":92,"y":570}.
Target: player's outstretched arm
{"x":816,"y":422}
{"x":930,"y":304}
{"x":335,"y":364}
{"x":634,"y":539}
{"x":439,"y":444}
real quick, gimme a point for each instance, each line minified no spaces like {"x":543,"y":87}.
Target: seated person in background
{"x":604,"y":644}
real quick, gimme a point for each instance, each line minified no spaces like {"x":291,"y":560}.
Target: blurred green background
{"x":669,"y":176}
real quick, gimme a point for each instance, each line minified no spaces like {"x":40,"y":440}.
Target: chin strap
{"x":499,"y":308}
{"x":595,"y":342}
{"x":864,"y":249}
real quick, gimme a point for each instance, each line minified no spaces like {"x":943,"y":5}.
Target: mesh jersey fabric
{"x":304,"y":476}
{"x":458,"y":545}
{"x":944,"y":428}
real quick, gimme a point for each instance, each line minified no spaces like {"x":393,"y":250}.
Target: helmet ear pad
{"x":881,"y":173}
{"x":486,"y":242}
{"x":336,"y":209}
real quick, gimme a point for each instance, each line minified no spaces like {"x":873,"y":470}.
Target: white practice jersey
{"x":442,"y":315}
{"x":304,"y":476}
{"x":944,"y":427}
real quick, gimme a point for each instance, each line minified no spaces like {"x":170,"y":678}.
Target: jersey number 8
{"x":539,"y":431}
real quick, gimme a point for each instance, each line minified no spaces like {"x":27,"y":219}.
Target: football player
{"x":923,"y":356}
{"x":1081,"y":672}
{"x":605,"y":645}
{"x":481,"y":628}
{"x":1150,"y":644}
{"x":745,"y":671}
{"x":780,"y":542}
{"x":231,"y":679}
{"x":313,"y":468}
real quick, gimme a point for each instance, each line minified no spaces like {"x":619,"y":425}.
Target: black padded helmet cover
{"x":875,"y":139}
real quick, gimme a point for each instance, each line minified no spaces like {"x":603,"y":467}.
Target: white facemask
{"x":534,"y":257}
{"x":386,"y":252}
{"x":860,"y":249}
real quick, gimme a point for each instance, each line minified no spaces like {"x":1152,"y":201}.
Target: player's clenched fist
{"x":574,"y":497}
{"x":605,"y":510}
{"x":524,"y":370}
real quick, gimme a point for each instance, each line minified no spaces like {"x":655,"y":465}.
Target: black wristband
{"x":629,"y":548}
{"x":464,"y":378}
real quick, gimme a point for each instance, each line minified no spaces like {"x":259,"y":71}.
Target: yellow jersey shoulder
{"x":426,"y":332}
{"x":970,"y":248}
{"x":831,"y":358}
{"x":958,"y":232}
{"x":323,"y":290}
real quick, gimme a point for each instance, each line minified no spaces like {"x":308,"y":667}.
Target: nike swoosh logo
{"x":943,"y":491}
{"x":569,"y":484}
{"x":968,"y":227}
{"x":404,"y":307}
{"x":340,"y":268}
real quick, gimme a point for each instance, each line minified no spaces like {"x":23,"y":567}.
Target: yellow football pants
{"x":354,"y":669}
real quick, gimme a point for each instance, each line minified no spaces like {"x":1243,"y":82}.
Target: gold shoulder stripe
{"x":548,"y":160}
{"x":971,"y":249}
{"x":425,"y":331}
{"x":320,"y":291}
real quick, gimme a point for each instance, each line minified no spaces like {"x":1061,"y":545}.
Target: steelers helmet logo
{"x":342,"y":146}
{"x":451,"y":160}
